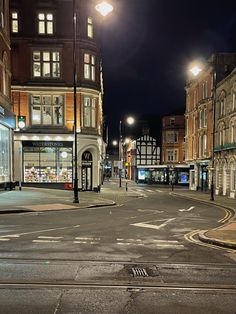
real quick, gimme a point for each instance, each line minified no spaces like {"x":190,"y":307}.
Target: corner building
{"x":42,"y":92}
{"x":199,"y":118}
{"x":7,"y":118}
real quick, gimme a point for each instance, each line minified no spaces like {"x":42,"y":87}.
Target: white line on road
{"x":187,"y":210}
{"x":43,"y":230}
{"x":45,"y":241}
{"x":151,"y":191}
{"x":4,"y":239}
{"x":159,"y":191}
{"x":47,"y":237}
{"x":84,"y":238}
{"x":146,"y":224}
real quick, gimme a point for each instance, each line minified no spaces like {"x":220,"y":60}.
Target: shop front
{"x":47,"y":162}
{"x":7,"y":123}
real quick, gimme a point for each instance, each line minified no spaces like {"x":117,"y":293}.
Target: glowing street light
{"x":104,"y":8}
{"x":195,"y":70}
{"x":130,"y":120}
{"x":114,"y":143}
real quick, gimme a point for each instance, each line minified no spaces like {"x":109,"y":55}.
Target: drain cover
{"x":142,"y":270}
{"x":137,"y":271}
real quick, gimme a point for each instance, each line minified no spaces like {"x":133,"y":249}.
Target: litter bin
{"x":68,"y":186}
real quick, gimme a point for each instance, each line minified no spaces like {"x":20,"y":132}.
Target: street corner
{"x":224,"y":236}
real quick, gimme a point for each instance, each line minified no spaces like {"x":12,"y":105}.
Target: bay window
{"x":46,"y":64}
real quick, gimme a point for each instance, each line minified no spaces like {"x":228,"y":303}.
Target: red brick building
{"x":42,"y":91}
{"x":173,"y":149}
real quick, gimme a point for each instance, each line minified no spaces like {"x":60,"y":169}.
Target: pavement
{"x":37,"y":199}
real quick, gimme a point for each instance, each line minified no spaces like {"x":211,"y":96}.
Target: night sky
{"x":147,"y":46}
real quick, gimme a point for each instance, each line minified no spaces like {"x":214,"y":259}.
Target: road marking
{"x":4,"y":239}
{"x":187,"y":210}
{"x":159,"y":191}
{"x":39,"y":231}
{"x":10,"y":236}
{"x":48,"y":237}
{"x":146,"y":224}
{"x":45,"y":241}
{"x":151,"y":191}
{"x":227,"y":216}
{"x":84,"y":238}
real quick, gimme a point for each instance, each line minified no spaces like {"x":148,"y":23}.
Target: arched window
{"x":221,"y":134}
{"x":222,"y":100}
{"x":233,"y":176}
{"x":233,"y":130}
{"x":2,"y":14}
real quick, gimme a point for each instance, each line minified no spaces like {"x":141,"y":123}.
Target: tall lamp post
{"x":104,"y":8}
{"x":130,"y":121}
{"x":213,"y":126}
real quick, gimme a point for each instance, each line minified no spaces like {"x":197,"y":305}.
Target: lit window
{"x":45,"y":23}
{"x":234,"y":101}
{"x":172,"y":137}
{"x":46,"y":64}
{"x":47,"y":110}
{"x":2,"y":13}
{"x":5,"y":75}
{"x":14,"y":22}
{"x":89,"y":67}
{"x":90,"y":112}
{"x":90,"y":27}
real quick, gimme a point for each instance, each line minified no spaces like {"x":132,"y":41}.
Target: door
{"x":87,"y":163}
{"x":87,"y":178}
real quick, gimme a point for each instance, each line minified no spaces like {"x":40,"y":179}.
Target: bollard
{"x":19,"y":185}
{"x":126,"y":186}
{"x":5,"y":186}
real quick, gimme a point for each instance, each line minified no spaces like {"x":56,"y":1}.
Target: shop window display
{"x":47,"y":164}
{"x":4,"y":154}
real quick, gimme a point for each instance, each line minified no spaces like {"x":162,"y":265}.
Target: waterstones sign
{"x":47,"y":144}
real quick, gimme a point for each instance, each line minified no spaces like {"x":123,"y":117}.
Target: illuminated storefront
{"x":47,"y":161}
{"x":7,"y":123}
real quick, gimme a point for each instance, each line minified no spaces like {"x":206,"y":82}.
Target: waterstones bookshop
{"x":47,"y":162}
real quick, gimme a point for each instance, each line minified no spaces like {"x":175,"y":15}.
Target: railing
{"x":225,"y":146}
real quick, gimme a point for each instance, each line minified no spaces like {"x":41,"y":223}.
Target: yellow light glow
{"x":114,"y":143}
{"x":195,"y":70}
{"x":104,"y":8}
{"x":130,"y":120}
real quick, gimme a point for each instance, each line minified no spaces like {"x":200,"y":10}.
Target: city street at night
{"x":141,"y":252}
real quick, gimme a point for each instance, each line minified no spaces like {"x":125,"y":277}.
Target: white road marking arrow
{"x":187,"y":210}
{"x":146,"y":224}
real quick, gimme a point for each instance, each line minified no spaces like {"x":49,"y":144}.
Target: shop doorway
{"x":87,"y":162}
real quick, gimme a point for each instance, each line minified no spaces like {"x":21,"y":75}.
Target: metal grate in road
{"x":139,"y":272}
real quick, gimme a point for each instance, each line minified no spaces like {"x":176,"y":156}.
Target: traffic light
{"x":21,"y":122}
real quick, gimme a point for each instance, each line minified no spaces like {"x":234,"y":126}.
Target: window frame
{"x":43,"y":62}
{"x":46,"y":23}
{"x":14,"y":19}
{"x":91,"y":110}
{"x":89,"y":67}
{"x":52,"y":105}
{"x":90,"y":27}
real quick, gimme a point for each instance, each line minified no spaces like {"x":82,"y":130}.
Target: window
{"x":204,"y":144}
{"x":204,"y":90}
{"x":90,"y":27}
{"x":204,"y":117}
{"x":222,"y":106}
{"x":5,"y":76}
{"x":233,"y":131}
{"x":234,"y":101}
{"x":46,"y":64}
{"x":171,"y":137}
{"x":233,"y":176}
{"x":172,"y":155}
{"x":14,"y":22}
{"x":89,"y":67}
{"x":2,"y":14}
{"x":172,"y":121}
{"x":4,"y":154}
{"x":90,"y":112}
{"x":47,"y":110}
{"x":45,"y":23}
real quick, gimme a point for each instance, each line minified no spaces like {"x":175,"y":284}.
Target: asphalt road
{"x":141,"y":256}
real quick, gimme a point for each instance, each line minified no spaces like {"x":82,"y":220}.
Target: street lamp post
{"x":130,"y":121}
{"x":104,"y":8}
{"x":213,"y":126}
{"x":76,"y":194}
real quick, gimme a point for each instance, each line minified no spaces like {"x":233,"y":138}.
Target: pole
{"x":120,"y":152}
{"x":76,"y":198}
{"x":213,"y":127}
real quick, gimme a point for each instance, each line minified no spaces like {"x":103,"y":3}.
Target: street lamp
{"x":104,"y":8}
{"x":129,"y":120}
